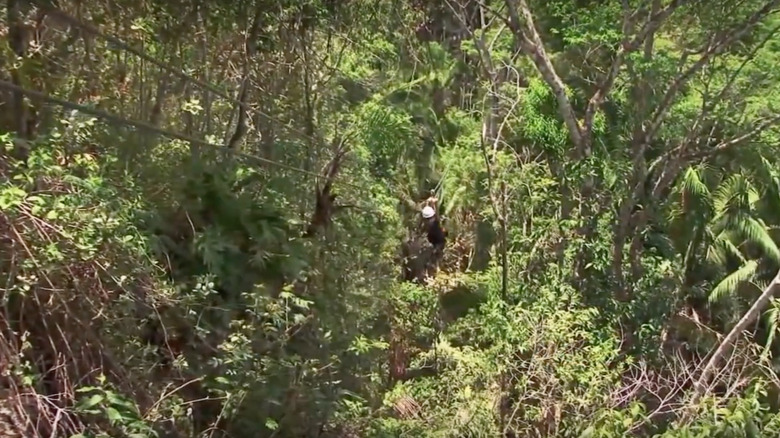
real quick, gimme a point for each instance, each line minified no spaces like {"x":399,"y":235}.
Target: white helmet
{"x":428,"y":212}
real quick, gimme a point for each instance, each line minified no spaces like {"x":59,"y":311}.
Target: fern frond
{"x":728,"y":286}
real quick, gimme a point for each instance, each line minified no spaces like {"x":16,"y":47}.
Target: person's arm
{"x":433,"y":202}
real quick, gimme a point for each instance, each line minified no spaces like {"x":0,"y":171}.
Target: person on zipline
{"x":436,"y":234}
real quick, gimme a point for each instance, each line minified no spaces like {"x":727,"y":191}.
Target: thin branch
{"x":722,"y":146}
{"x":324,"y":207}
{"x":709,"y":104}
{"x":712,"y":48}
{"x":649,"y":28}
{"x":250,"y":50}
{"x":735,"y":141}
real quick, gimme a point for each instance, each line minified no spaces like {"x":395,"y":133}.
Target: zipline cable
{"x":150,"y":128}
{"x":50,"y":9}
{"x":53,"y":10}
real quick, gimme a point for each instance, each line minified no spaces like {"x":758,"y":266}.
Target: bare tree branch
{"x":710,"y":104}
{"x":683,"y":159}
{"x":736,"y":141}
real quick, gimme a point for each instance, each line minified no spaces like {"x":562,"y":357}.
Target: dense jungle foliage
{"x":210,"y":218}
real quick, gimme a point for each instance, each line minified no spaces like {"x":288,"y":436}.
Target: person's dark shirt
{"x":436,"y":235}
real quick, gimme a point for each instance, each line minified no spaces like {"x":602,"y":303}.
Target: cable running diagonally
{"x":50,"y":9}
{"x":150,"y":128}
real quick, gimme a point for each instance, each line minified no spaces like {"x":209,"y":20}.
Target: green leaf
{"x":113,"y":415}
{"x":92,"y":401}
{"x":117,"y":400}
{"x":587,"y":433}
{"x":86,"y":389}
{"x":271,"y":424}
{"x":11,"y":197}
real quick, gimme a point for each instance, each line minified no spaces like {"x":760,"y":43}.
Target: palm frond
{"x":766,"y":170}
{"x":674,"y":212}
{"x":728,"y":286}
{"x":771,"y":317}
{"x":756,"y":233}
{"x":760,"y":285}
{"x":769,"y":177}
{"x":722,"y":250}
{"x":735,"y":194}
{"x":695,"y":194}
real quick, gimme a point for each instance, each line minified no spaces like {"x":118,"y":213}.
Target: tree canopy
{"x":210,"y":218}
